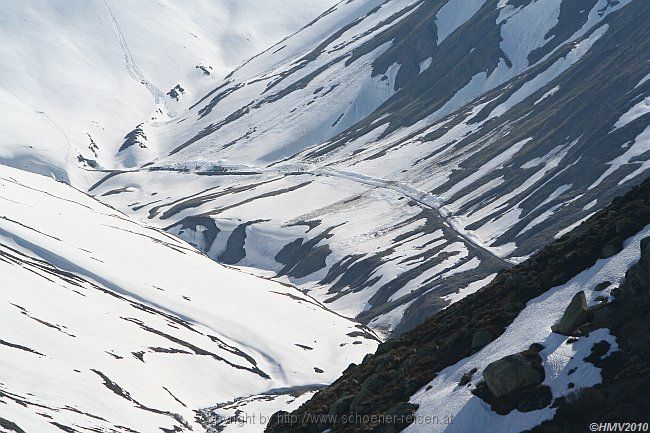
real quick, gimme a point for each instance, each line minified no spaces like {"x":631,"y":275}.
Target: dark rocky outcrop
{"x":235,"y":250}
{"x":301,"y":259}
{"x":11,"y":426}
{"x":176,"y":92}
{"x":133,"y":138}
{"x":526,"y":399}
{"x":401,"y":367}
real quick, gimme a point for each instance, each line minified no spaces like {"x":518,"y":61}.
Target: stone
{"x":373,"y":383}
{"x":481,"y":338}
{"x":368,"y":390}
{"x":361,"y":400}
{"x":574,"y":315}
{"x":598,"y":350}
{"x":602,"y":286}
{"x":600,"y":315}
{"x":467,"y":377}
{"x":513,"y":373}
{"x":341,"y":406}
{"x":537,"y":398}
{"x":397,"y":418}
{"x":608,"y":251}
{"x":402,"y":410}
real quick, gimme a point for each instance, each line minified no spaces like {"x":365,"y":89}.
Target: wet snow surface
{"x":109,"y":324}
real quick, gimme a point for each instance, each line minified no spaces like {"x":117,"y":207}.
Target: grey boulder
{"x":513,"y":373}
{"x":574,"y":315}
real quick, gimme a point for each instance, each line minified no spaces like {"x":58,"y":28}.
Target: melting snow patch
{"x":453,"y":15}
{"x":640,"y":146}
{"x":424,"y":64}
{"x":469,"y":289}
{"x":547,"y":94}
{"x":638,"y":110}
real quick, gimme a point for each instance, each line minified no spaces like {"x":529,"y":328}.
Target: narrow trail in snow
{"x":68,"y":149}
{"x":424,"y":199}
{"x":132,"y":67}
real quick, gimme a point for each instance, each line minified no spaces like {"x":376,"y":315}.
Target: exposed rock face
{"x":515,"y":382}
{"x":574,"y":316}
{"x":135,"y":137}
{"x":513,"y":373}
{"x":600,"y":315}
{"x":412,"y":361}
{"x":10,"y":426}
{"x":176,"y":92}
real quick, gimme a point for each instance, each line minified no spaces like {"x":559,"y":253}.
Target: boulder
{"x":602,"y":286}
{"x":467,"y":377}
{"x":361,"y":401}
{"x":598,"y":350}
{"x":574,"y":315}
{"x":481,"y":338}
{"x":513,"y":373}
{"x":600,"y":315}
{"x":537,"y":398}
{"x":341,"y":406}
{"x":402,"y":409}
{"x":370,"y":388}
{"x":608,"y":251}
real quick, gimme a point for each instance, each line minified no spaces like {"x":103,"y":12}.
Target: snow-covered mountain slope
{"x":77,"y":77}
{"x":389,"y":157}
{"x":351,"y":243}
{"x":432,"y":379}
{"x":467,"y":138}
{"x":378,"y":61}
{"x":110,"y":325}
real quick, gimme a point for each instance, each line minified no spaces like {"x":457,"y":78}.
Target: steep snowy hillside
{"x":392,"y":156}
{"x":375,"y":61}
{"x":349,"y":242}
{"x":559,"y":340}
{"x":109,"y":325}
{"x":77,"y":77}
